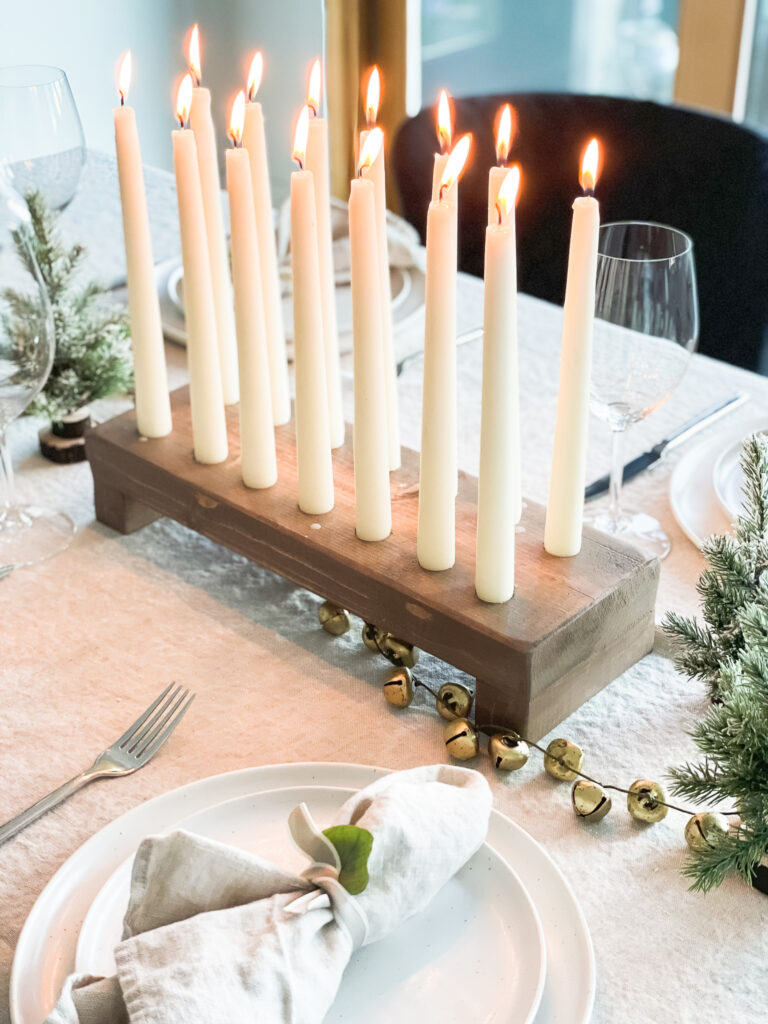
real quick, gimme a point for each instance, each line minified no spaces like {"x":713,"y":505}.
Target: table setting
{"x":429,"y":615}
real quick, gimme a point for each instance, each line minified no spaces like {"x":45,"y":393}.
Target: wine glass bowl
{"x":646,"y":326}
{"x":42,"y":146}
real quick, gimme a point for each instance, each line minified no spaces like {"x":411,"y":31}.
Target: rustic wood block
{"x":573,"y":625}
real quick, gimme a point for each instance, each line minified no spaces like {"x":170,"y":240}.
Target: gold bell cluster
{"x":563,"y":759}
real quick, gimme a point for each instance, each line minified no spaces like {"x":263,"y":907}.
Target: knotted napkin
{"x":214,"y":934}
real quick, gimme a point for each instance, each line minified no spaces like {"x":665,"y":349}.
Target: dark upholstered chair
{"x":704,"y":175}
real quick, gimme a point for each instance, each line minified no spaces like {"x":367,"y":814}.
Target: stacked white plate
{"x":707,"y":484}
{"x":407,"y":279}
{"x":504,"y":942}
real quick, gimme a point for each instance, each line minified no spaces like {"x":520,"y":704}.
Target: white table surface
{"x":89,"y":638}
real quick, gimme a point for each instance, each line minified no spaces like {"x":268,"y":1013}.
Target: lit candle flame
{"x":444,"y":122}
{"x":373,"y":97}
{"x":314,"y":86}
{"x":184,"y":99}
{"x":237,"y":119}
{"x":509,"y":192}
{"x":194,"y":54}
{"x":504,"y":135}
{"x":255,"y":75}
{"x":455,"y":164}
{"x":590,"y":166}
{"x":370,"y":149}
{"x":300,"y":137}
{"x":124,"y":76}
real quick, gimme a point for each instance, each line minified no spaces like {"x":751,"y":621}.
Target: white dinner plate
{"x":408,"y":287}
{"x":692,"y":494}
{"x":728,"y":477}
{"x":45,"y":953}
{"x":482,"y":918}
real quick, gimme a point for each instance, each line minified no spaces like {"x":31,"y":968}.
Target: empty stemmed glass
{"x":646,"y":326}
{"x":28,"y":533}
{"x":42,"y":147}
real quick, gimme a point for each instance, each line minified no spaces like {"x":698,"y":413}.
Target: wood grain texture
{"x":573,"y":625}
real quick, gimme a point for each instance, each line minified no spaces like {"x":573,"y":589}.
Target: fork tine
{"x":158,"y":724}
{"x":139,"y":737}
{"x":150,"y":751}
{"x":142,"y":718}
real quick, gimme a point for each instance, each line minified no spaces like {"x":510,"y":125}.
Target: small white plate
{"x":728,"y":477}
{"x":692,"y":494}
{"x":482,"y":919}
{"x":45,"y":952}
{"x":408,"y":287}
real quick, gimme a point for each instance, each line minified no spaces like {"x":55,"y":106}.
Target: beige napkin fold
{"x":213,"y":934}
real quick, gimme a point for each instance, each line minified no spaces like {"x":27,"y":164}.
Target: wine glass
{"x":646,"y":326}
{"x":42,"y":147}
{"x":28,"y":533}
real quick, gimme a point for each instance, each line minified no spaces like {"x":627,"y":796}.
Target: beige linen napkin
{"x":214,"y":935}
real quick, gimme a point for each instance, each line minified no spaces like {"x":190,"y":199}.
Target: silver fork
{"x":132,"y":751}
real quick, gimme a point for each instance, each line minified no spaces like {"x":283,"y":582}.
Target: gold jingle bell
{"x":644,"y":801}
{"x":589,"y":800}
{"x":398,"y":651}
{"x":398,"y":690}
{"x":370,"y":634}
{"x":563,"y":760}
{"x":333,"y":618}
{"x":461,"y":740}
{"x":453,"y":701}
{"x":704,"y":830}
{"x":507,"y":751}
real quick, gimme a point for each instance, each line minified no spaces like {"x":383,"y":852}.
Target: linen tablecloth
{"x":89,"y":638}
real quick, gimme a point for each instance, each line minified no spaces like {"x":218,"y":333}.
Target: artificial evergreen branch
{"x":736,"y":577}
{"x":92,"y":338}
{"x":729,"y":652}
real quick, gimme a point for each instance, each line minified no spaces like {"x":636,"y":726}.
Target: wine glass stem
{"x":6,"y":474}
{"x":617,"y":473}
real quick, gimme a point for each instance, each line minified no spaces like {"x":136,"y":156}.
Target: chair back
{"x":705,"y":175}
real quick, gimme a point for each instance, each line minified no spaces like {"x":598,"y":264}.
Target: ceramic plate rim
{"x":706,"y":451}
{"x":244,"y":780}
{"x":729,"y":452}
{"x":535,"y":998}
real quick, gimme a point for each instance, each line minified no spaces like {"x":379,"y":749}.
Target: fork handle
{"x":37,"y":810}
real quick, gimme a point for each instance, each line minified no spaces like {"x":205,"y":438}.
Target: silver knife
{"x":642,"y":462}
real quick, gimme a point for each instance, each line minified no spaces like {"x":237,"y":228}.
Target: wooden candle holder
{"x":573,"y":625}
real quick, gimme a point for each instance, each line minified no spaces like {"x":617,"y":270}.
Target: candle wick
{"x":181,"y":121}
{"x":122,"y":99}
{"x":196,"y":79}
{"x":300,"y":162}
{"x":313,"y":108}
{"x":498,"y":211}
{"x":440,"y":193}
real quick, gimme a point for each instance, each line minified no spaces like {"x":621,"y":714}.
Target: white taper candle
{"x":257,"y":433}
{"x":254,"y":141}
{"x":565,"y":506}
{"x":153,"y":406}
{"x":498,"y":493}
{"x":209,"y":428}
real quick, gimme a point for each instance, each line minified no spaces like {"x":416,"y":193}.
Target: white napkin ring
{"x":323,"y":872}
